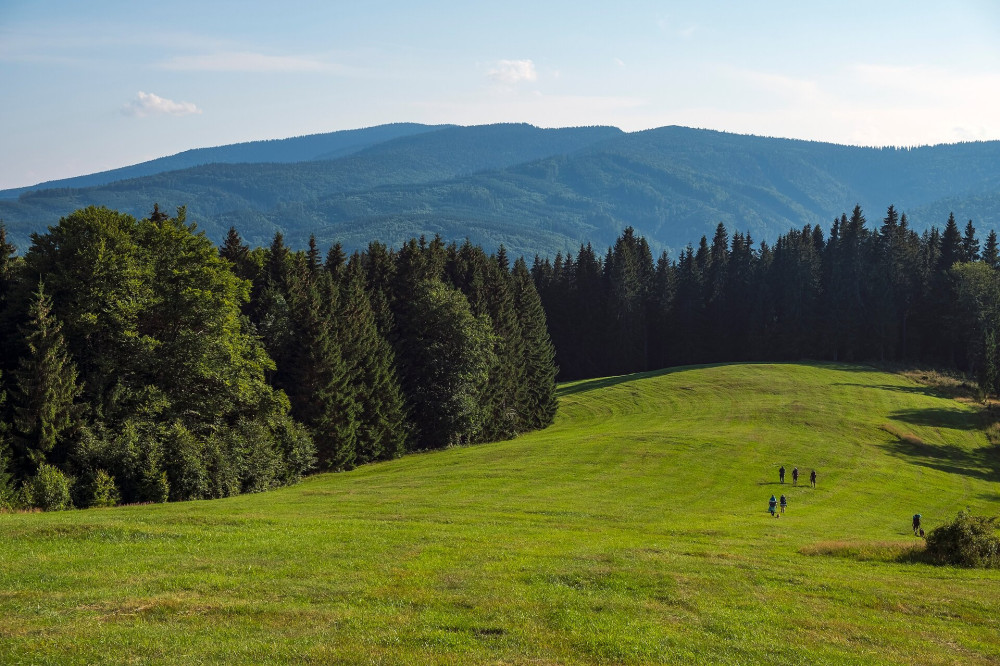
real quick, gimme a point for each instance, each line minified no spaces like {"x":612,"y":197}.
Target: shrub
{"x":104,"y":492}
{"x":969,"y":541}
{"x":50,"y":489}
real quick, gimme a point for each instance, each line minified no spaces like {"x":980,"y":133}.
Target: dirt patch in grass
{"x":868,"y":551}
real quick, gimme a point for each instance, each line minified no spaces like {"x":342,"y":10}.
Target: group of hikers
{"x":773,"y":503}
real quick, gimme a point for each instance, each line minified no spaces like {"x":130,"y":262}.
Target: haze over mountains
{"x":534,"y":190}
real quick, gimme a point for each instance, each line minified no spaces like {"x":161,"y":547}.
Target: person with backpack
{"x":784,"y":503}
{"x":916,"y":524}
{"x":812,"y":478}
{"x":772,"y":503}
{"x":795,"y":476}
{"x":781,"y":474}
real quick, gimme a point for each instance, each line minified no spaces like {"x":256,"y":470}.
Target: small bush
{"x":969,"y":541}
{"x":104,"y":492}
{"x":50,"y":489}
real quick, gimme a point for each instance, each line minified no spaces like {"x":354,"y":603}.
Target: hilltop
{"x":631,"y":531}
{"x":533,"y":190}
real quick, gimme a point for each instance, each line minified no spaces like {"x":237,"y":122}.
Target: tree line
{"x":854,"y":293}
{"x":141,"y":363}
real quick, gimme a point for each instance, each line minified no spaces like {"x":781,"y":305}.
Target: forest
{"x":142,"y":363}
{"x":880,"y":293}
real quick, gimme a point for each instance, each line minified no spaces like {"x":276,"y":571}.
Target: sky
{"x":91,"y":86}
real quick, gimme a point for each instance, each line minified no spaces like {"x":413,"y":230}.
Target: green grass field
{"x":634,"y":530}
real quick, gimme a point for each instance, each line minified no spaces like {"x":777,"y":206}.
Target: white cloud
{"x":148,"y":104}
{"x":245,"y":61}
{"x":511,"y":72}
{"x":618,"y":61}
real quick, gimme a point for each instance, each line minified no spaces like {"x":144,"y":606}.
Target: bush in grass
{"x":50,"y":489}
{"x":103,"y":490}
{"x":969,"y":541}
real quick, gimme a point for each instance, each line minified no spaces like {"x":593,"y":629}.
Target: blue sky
{"x":89,"y":86}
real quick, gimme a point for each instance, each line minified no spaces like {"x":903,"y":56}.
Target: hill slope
{"x":631,"y":531}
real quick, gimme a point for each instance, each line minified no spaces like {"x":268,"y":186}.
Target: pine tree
{"x":970,"y":244}
{"x":7,"y":251}
{"x":335,"y":259}
{"x":381,"y":419}
{"x":312,"y":255}
{"x":315,"y":374}
{"x":537,"y":400}
{"x":237,"y":253}
{"x":45,"y":390}
{"x":991,"y":251}
{"x":951,"y":245}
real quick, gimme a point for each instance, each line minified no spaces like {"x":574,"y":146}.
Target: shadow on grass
{"x":982,"y":463}
{"x":574,"y":386}
{"x":940,"y":417}
{"x":920,"y":389}
{"x":606,"y":382}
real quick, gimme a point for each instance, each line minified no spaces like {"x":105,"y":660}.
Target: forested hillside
{"x":857,"y":291}
{"x":141,"y":363}
{"x":296,"y":149}
{"x":544,"y":191}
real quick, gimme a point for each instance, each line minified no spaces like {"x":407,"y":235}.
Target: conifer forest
{"x":141,"y":363}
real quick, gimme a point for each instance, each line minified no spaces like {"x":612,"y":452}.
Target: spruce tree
{"x":315,"y":374}
{"x":335,"y":260}
{"x":970,"y":244}
{"x":951,"y":245}
{"x":381,"y":419}
{"x":46,"y":415}
{"x":991,"y":251}
{"x":537,"y":398}
{"x":312,"y":255}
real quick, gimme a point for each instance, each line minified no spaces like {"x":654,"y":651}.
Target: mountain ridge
{"x":549,"y":190}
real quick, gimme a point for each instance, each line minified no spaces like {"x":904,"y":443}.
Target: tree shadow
{"x":574,"y":386}
{"x":982,"y":463}
{"x":583,"y":386}
{"x":931,"y":391}
{"x":940,"y":417}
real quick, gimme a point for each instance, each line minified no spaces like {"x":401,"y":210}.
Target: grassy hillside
{"x":632,"y":531}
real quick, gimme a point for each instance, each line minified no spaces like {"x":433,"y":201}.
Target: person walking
{"x":784,"y":503}
{"x":795,"y":476}
{"x":772,"y":503}
{"x":812,"y":478}
{"x":781,"y":474}
{"x":916,"y":523}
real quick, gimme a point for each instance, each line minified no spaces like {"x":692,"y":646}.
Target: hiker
{"x":781,"y":474}
{"x":916,"y":524}
{"x":795,"y":476}
{"x":771,"y":504}
{"x":784,"y":503}
{"x":812,"y":478}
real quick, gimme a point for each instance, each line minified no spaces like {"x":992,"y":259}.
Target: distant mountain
{"x":296,"y":149}
{"x":546,"y":190}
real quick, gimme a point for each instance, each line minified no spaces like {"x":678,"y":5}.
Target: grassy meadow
{"x":634,"y":530}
